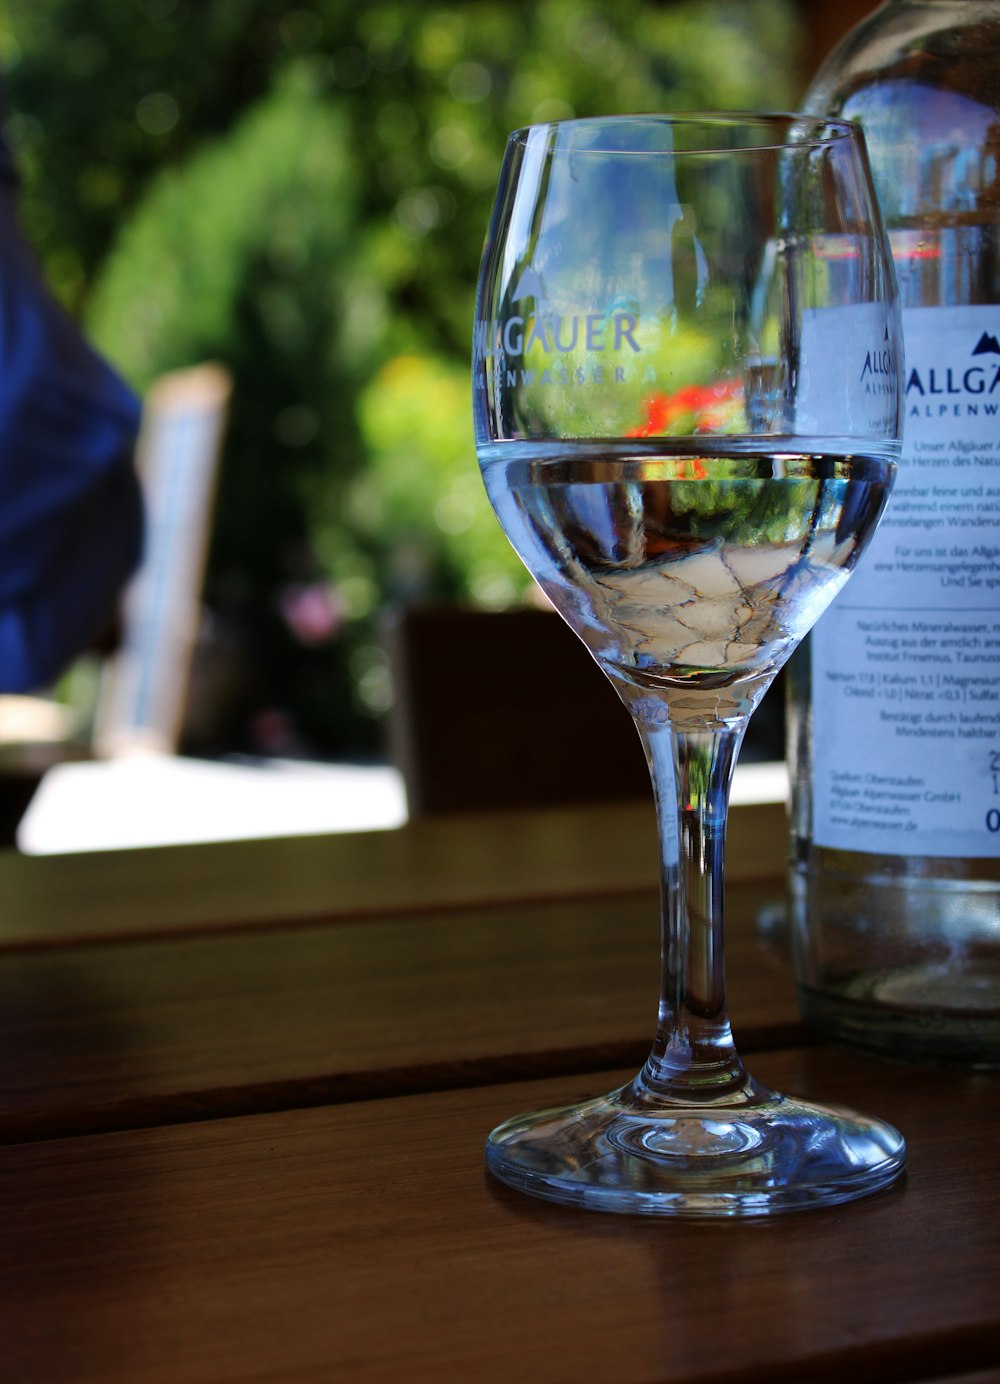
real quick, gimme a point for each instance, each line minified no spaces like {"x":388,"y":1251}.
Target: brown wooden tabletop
{"x":445,"y":862}
{"x":244,"y":1091}
{"x":363,"y":1241}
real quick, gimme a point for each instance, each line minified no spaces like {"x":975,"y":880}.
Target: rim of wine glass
{"x":828,"y":129}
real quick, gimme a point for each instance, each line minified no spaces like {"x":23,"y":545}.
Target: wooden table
{"x":245,"y":1090}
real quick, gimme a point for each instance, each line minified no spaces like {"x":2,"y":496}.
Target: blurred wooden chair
{"x":144,"y":683}
{"x":504,"y":709}
{"x":495,"y":710}
{"x":141,"y":686}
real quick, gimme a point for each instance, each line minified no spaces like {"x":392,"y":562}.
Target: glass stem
{"x":694,"y":1060}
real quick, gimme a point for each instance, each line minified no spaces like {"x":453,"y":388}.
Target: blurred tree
{"x":301,"y":189}
{"x":104,"y":95}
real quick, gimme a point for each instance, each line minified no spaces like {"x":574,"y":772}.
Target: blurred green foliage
{"x":300,"y":188}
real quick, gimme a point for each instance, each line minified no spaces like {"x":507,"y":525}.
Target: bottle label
{"x":847,"y":372}
{"x":906,"y":662}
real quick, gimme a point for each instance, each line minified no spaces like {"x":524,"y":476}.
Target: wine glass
{"x":687,"y":409}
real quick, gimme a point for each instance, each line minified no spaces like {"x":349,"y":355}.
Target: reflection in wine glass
{"x":681,"y":434}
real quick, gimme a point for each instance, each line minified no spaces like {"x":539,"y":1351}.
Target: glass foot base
{"x":775,"y":1155}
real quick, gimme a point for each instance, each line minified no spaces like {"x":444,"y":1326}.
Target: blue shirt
{"x":70,"y":507}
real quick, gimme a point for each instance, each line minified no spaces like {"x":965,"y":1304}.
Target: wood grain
{"x":155,"y":1031}
{"x":364,"y":1243}
{"x":450,"y":862}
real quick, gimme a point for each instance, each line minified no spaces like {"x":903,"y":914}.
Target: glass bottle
{"x":895,"y":709}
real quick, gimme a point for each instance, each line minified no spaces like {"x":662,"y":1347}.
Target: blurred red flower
{"x":708,"y":406}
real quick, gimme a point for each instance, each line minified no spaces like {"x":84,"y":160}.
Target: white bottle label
{"x":860,"y":386}
{"x":906,"y":662}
